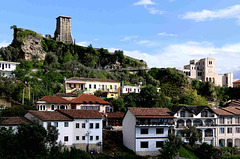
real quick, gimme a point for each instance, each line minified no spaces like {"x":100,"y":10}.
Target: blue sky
{"x":164,"y":33}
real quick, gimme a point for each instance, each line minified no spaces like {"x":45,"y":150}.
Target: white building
{"x":204,"y":70}
{"x":146,"y":129}
{"x":7,"y":67}
{"x":51,"y":103}
{"x":228,"y":127}
{"x":131,"y":89}
{"x":79,"y":128}
{"x":202,"y":117}
{"x":13,"y":122}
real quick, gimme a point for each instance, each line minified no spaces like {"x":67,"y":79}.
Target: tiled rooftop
{"x":15,"y":121}
{"x":89,"y":99}
{"x":238,"y":81}
{"x":81,"y":114}
{"x":49,"y":115}
{"x":115,"y":115}
{"x":151,"y":112}
{"x":54,"y":99}
{"x":91,"y":79}
{"x":222,"y":112}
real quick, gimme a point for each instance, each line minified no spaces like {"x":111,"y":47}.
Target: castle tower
{"x":63,"y":29}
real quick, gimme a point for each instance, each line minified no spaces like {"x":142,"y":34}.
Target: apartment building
{"x":7,"y":67}
{"x":90,"y":85}
{"x":204,"y":70}
{"x":79,"y":128}
{"x":51,"y":103}
{"x":146,"y":129}
{"x":202,"y":117}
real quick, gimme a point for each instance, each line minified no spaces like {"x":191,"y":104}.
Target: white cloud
{"x":227,"y":13}
{"x":127,"y":38}
{"x":143,"y":42}
{"x":4,"y":44}
{"x":176,"y":55}
{"x":144,"y":2}
{"x":84,"y":43}
{"x":166,"y":34}
{"x":153,"y":10}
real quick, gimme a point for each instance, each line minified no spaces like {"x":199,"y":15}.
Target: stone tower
{"x":63,"y":29}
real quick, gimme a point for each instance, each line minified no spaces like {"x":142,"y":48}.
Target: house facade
{"x":51,"y":103}
{"x":7,"y":67}
{"x":236,"y":83}
{"x":146,"y":129}
{"x":13,"y":122}
{"x":90,"y":85}
{"x":202,"y":117}
{"x":79,"y":128}
{"x":204,"y":70}
{"x":228,"y":127}
{"x":131,"y":89}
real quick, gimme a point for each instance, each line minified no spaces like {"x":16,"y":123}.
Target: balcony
{"x":152,"y":122}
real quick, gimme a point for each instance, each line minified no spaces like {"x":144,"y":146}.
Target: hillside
{"x":44,"y":63}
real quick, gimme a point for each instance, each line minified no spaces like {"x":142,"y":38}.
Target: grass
{"x":187,"y":154}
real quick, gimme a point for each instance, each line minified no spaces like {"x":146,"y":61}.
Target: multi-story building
{"x":228,"y":127}
{"x":131,"y":89}
{"x":63,"y":29}
{"x":79,"y":128}
{"x":202,"y":117}
{"x":146,"y":129}
{"x":90,"y":85}
{"x":51,"y":103}
{"x":204,"y":70}
{"x":7,"y":67}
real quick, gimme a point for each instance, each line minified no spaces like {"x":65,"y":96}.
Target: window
{"x":84,"y":107}
{"x":77,"y":125}
{"x":83,"y":125}
{"x":229,"y":120}
{"x":65,"y":124}
{"x":65,"y":138}
{"x":229,"y":130}
{"x":5,"y":65}
{"x":144,"y":131}
{"x":91,"y":126}
{"x":159,"y":144}
{"x":9,"y":65}
{"x":182,"y":114}
{"x":95,"y":86}
{"x":52,"y":107}
{"x":237,"y":130}
{"x":83,"y":137}
{"x":144,"y":144}
{"x":221,"y":131}
{"x":49,"y":123}
{"x":97,"y":126}
{"x":44,"y":107}
{"x":91,"y":138}
{"x":110,"y":86}
{"x":204,"y":114}
{"x":159,"y":131}
{"x":56,"y":124}
{"x":70,"y":85}
{"x":210,"y":62}
{"x":77,"y":137}
{"x":105,"y":86}
{"x":115,"y":87}
{"x":96,"y":108}
{"x":90,"y":86}
{"x":74,"y":85}
{"x":237,"y":120}
{"x":97,"y":137}
{"x":221,"y":120}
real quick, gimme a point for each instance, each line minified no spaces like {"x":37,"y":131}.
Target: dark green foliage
{"x":205,"y":89}
{"x":51,"y":60}
{"x":10,"y":53}
{"x":118,"y":104}
{"x":192,"y":135}
{"x":206,"y":151}
{"x":171,"y":147}
{"x":52,"y":135}
{"x":19,"y":110}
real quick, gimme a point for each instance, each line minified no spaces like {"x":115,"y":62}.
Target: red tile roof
{"x":91,"y":79}
{"x":49,"y":115}
{"x":115,"y":115}
{"x":15,"y":121}
{"x":81,"y":114}
{"x":222,"y":112}
{"x":151,"y":112}
{"x":54,"y":99}
{"x":238,"y":81}
{"x":89,"y":99}
{"x":233,"y":110}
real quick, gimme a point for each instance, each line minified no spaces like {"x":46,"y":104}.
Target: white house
{"x":7,"y":67}
{"x":13,"y":122}
{"x":79,"y":128}
{"x":131,"y":89}
{"x":146,"y":129}
{"x":202,"y":117}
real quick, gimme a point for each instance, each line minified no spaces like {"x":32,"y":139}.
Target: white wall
{"x":129,"y":123}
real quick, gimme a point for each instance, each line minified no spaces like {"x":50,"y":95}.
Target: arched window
{"x":188,"y":122}
{"x":180,"y":123}
{"x":197,"y":122}
{"x":208,"y":133}
{"x":208,"y":122}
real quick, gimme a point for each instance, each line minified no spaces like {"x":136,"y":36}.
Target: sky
{"x":164,"y":33}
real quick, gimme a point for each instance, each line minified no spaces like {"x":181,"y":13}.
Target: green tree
{"x":52,"y":135}
{"x":192,"y":135}
{"x":171,"y":147}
